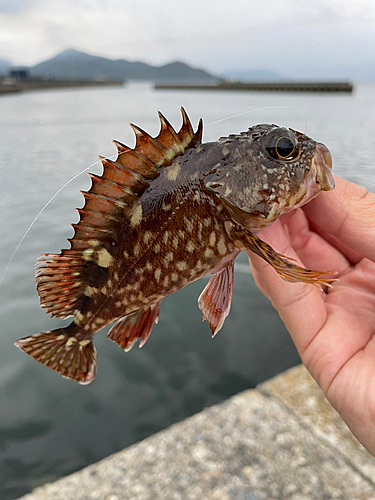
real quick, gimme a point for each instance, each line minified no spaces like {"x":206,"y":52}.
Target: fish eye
{"x":281,"y":146}
{"x":284,"y":147}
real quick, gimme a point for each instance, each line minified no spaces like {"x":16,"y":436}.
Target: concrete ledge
{"x":279,"y":441}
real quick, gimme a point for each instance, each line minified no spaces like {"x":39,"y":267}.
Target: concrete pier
{"x":280,"y":441}
{"x":40,"y":84}
{"x":264,"y":86}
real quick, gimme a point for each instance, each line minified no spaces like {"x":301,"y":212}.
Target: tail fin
{"x":61,"y":351}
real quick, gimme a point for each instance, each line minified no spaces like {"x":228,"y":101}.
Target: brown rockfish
{"x":162,"y":215}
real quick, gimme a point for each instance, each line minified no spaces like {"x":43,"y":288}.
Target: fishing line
{"x":42,"y":210}
{"x":261,"y":109}
{"x":115,"y":156}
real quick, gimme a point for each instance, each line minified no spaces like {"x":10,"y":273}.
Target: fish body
{"x":161,"y":216}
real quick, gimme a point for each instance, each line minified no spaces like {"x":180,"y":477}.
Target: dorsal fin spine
{"x":112,"y":201}
{"x":104,"y":180}
{"x":97,"y":214}
{"x":186,"y":123}
{"x":141,"y":135}
{"x":167,"y":128}
{"x":136,"y":175}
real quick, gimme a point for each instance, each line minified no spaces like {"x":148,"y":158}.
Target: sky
{"x":300,"y":38}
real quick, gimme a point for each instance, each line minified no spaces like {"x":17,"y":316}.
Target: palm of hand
{"x":333,"y":330}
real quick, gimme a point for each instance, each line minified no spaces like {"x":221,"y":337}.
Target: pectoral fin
{"x":214,"y":301}
{"x":282,"y":265}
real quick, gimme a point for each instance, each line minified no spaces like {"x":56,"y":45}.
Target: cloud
{"x":284,"y":35}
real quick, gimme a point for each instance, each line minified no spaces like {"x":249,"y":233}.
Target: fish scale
{"x":163,"y":215}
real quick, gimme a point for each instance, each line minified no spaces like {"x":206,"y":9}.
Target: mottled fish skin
{"x":165,"y":214}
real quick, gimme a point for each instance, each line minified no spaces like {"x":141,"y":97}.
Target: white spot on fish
{"x":157,"y":248}
{"x":190,"y":247}
{"x":157,"y":274}
{"x":78,"y":318}
{"x":189,"y":225}
{"x":136,"y":249}
{"x":208,"y":253}
{"x":165,"y":237}
{"x":174,"y":277}
{"x":222,"y":249}
{"x":70,"y":341}
{"x":175,"y":242}
{"x":88,"y":253}
{"x":199,"y":266}
{"x":89,"y":291}
{"x":173,"y":171}
{"x":168,"y":258}
{"x":166,"y":206}
{"x":212,"y":239}
{"x":147,"y":237}
{"x":104,"y":258}
{"x":181,"y":265}
{"x":136,"y":217}
{"x":84,"y":343}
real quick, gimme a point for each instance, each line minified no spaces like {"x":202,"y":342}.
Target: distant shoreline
{"x":39,"y":84}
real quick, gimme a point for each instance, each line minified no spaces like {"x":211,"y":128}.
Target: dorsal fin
{"x":112,"y":199}
{"x":116,"y":192}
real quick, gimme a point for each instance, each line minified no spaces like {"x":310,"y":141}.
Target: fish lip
{"x":323,"y":164}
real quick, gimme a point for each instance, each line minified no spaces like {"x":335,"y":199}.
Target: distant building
{"x":19,"y":73}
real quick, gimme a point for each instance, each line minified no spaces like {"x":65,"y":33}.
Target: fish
{"x":164,"y":214}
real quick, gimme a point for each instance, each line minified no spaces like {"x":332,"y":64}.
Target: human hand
{"x":333,"y":330}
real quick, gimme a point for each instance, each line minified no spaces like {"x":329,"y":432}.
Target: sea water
{"x":50,"y":426}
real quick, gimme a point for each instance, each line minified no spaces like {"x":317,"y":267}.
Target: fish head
{"x":269,"y":171}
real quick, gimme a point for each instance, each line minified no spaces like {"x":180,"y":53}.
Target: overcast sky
{"x":292,"y":37}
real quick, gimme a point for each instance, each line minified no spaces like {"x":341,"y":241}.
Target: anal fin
{"x":214,"y":301}
{"x":137,"y":325}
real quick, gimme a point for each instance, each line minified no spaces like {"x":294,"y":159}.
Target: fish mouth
{"x":323,"y":166}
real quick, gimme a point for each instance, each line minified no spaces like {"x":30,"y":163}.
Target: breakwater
{"x":264,"y":86}
{"x":281,"y":440}
{"x":28,"y":84}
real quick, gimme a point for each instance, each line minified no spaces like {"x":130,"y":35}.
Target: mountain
{"x":72,"y":64}
{"x":4,"y":66}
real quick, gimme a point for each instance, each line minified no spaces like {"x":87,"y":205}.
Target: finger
{"x":300,"y":306}
{"x":347,"y":213}
{"x":313,"y":250}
